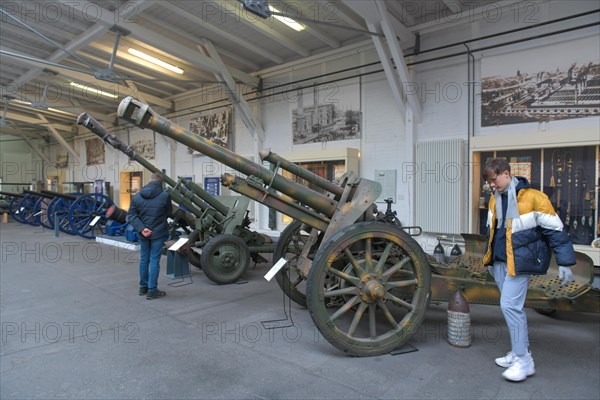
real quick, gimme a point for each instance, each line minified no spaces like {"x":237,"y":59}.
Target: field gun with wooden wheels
{"x":59,"y":212}
{"x":42,"y":208}
{"x":216,"y":224}
{"x":367,"y":281}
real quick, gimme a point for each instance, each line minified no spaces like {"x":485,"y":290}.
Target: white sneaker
{"x":521,"y":369}
{"x":507,"y":361}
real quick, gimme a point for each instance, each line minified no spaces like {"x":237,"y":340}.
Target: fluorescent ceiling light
{"x":287,"y":20}
{"x":155,"y":61}
{"x":93,"y":90}
{"x":27,"y":103}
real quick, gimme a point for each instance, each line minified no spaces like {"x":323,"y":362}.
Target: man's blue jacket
{"x":150,"y":209}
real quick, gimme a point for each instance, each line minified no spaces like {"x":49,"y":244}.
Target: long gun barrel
{"x":62,"y":195}
{"x":10,"y":194}
{"x":143,"y":116}
{"x":273,"y":158}
{"x":39,"y":194}
{"x":203,"y":200}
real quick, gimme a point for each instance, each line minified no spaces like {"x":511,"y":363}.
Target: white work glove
{"x":565,"y":275}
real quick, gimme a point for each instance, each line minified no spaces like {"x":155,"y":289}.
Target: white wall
{"x":18,"y":162}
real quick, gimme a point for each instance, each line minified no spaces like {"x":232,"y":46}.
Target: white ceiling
{"x":46,"y":45}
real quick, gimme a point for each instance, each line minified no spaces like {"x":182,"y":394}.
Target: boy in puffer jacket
{"x":523,"y":228}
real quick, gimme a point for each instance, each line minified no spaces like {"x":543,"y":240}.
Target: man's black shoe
{"x":143,"y":291}
{"x":154,"y":294}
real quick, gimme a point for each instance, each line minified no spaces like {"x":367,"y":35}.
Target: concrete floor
{"x":73,"y":326}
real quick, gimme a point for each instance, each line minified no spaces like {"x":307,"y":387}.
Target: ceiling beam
{"x":398,"y":57}
{"x":378,"y":19}
{"x":117,"y":89}
{"x":20,"y":131}
{"x":313,"y":30}
{"x":388,"y":68}
{"x":59,"y":137}
{"x":331,"y":11}
{"x":235,"y":95}
{"x":63,"y":110}
{"x":180,"y":32}
{"x":123,"y":55}
{"x":260,"y":26}
{"x":250,"y":46}
{"x":473,"y":15}
{"x":137,"y":73}
{"x":371,"y":16}
{"x":12,"y":116}
{"x":35,"y":149}
{"x":160,"y":42}
{"x":94,"y":32}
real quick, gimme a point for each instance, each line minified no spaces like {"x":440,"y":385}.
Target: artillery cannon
{"x":13,"y":205}
{"x":367,"y":281}
{"x":218,"y":225}
{"x":75,"y":214}
{"x":59,"y":212}
{"x":42,"y":208}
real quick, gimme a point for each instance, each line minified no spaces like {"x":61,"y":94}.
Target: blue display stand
{"x":178,"y":266}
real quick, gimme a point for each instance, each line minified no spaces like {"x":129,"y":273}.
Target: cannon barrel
{"x":116,"y":214}
{"x":38,"y":194}
{"x":202,"y":199}
{"x":143,"y":116}
{"x":11,"y":194}
{"x":61,"y":195}
{"x":273,"y":158}
{"x":194,"y":187}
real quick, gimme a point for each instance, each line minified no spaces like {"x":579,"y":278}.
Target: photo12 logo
{"x":63,"y":12}
{"x":52,"y":332}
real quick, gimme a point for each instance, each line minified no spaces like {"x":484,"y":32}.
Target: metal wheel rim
{"x":225,"y":258}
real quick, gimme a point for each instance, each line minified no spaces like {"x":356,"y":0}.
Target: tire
{"x":225,"y":258}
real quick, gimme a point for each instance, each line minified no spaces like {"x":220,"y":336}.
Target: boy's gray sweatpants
{"x":513,"y":291}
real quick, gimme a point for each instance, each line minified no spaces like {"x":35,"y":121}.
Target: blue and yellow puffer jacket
{"x":530,"y":238}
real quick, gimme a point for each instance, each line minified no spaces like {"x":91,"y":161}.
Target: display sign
{"x":212,"y":184}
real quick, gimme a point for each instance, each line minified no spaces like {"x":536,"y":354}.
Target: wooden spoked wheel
{"x":368,"y":288}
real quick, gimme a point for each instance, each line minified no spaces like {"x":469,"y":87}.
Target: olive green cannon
{"x":365,"y":280}
{"x":216,"y":224}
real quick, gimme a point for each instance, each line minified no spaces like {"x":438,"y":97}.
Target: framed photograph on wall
{"x":144,"y":147}
{"x":327,"y":112}
{"x":94,"y":151}
{"x":215,"y":126}
{"x":555,"y":82}
{"x":62,"y":160}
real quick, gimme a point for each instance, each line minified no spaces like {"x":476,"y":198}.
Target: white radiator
{"x":440,"y":174}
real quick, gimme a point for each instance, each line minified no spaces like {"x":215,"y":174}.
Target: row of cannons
{"x":363,"y":277}
{"x":85,"y":215}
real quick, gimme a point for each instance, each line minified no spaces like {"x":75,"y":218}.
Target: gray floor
{"x":73,"y":326}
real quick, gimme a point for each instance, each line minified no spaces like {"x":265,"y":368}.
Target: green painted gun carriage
{"x":217,"y":225}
